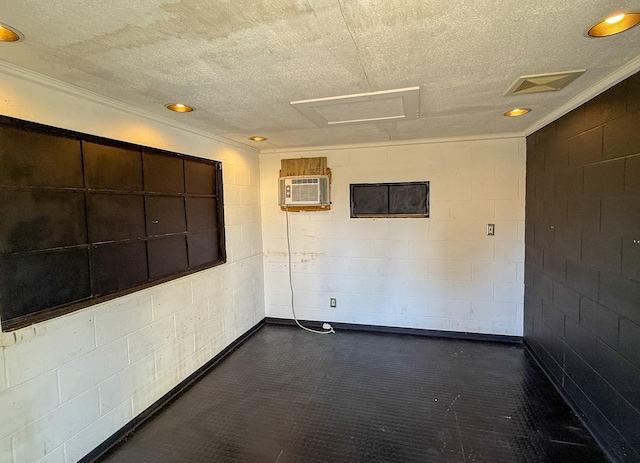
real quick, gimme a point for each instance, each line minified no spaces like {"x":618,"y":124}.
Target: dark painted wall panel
{"x":111,"y":168}
{"x":60,"y":277}
{"x":40,"y":160}
{"x":588,"y":336}
{"x":200,"y":178}
{"x":117,"y":266}
{"x":407,"y":199}
{"x":201,"y":214}
{"x":165,"y":214}
{"x":203,"y":247}
{"x":370,"y":199}
{"x":163,"y":174}
{"x":167,"y":256}
{"x":115,"y":217}
{"x":31,"y":220}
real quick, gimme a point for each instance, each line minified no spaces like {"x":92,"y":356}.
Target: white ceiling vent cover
{"x":549,"y":82}
{"x":387,"y":105}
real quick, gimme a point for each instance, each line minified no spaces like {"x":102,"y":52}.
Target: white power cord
{"x":325,"y":326}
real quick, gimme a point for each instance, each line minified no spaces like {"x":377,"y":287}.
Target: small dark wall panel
{"x":115,"y":217}
{"x":165,"y":214}
{"x":587,"y":335}
{"x":407,"y":199}
{"x":203,"y":248}
{"x":37,"y":281}
{"x":39,"y":160}
{"x":163,"y":174}
{"x":370,"y":199}
{"x":167,"y":256}
{"x":118,"y":266}
{"x":199,"y":178}
{"x":111,"y":168}
{"x":31,"y":220}
{"x":201,"y":214}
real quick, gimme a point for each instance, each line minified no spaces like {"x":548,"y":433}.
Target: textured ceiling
{"x":240,"y":62}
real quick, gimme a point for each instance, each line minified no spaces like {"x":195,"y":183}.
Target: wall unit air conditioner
{"x":304,"y":190}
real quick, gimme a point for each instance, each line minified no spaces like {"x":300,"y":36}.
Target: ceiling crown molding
{"x":420,"y":141}
{"x":73,"y":90}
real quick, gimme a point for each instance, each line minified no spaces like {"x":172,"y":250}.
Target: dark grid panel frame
{"x":383,"y":200}
{"x":103,"y":179}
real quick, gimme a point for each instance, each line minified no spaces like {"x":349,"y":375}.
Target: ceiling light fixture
{"x":614,"y":24}
{"x":517,"y":112}
{"x":257,"y":138}
{"x":9,"y":34}
{"x":179,"y":107}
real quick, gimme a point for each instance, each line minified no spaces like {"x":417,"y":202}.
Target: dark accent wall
{"x":582,"y":278}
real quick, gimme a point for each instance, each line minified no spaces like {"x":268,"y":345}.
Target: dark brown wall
{"x":582,"y":280}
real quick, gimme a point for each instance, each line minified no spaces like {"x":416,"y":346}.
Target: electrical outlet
{"x":332,"y":302}
{"x":491,"y":229}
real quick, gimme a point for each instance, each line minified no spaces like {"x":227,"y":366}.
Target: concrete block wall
{"x":582,"y":299}
{"x":69,"y":383}
{"x":441,"y":273}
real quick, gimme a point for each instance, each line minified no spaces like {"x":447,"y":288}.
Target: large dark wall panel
{"x":582,"y":278}
{"x":85,"y":219}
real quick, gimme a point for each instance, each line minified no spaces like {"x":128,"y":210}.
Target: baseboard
{"x":397,"y":330}
{"x":116,"y":438}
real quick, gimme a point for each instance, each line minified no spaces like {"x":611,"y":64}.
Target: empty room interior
{"x":319,"y":231}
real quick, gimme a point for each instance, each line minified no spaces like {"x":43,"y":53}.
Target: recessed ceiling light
{"x":257,"y":138}
{"x":179,"y":107}
{"x":9,"y":34}
{"x":614,"y":24}
{"x":517,"y":112}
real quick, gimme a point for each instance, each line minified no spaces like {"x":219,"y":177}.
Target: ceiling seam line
{"x":344,"y":18}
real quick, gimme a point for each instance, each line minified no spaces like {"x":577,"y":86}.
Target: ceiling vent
{"x":387,"y":105}
{"x":550,"y":82}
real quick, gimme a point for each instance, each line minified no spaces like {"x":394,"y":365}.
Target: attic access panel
{"x":406,"y":199}
{"x":387,"y":105}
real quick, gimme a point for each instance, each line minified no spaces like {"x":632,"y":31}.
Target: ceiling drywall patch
{"x":388,"y":105}
{"x":549,"y":82}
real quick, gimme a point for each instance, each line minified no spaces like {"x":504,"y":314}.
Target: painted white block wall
{"x":441,"y":273}
{"x":69,"y":383}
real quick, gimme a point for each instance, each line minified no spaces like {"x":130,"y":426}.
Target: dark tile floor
{"x":287,"y":395}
